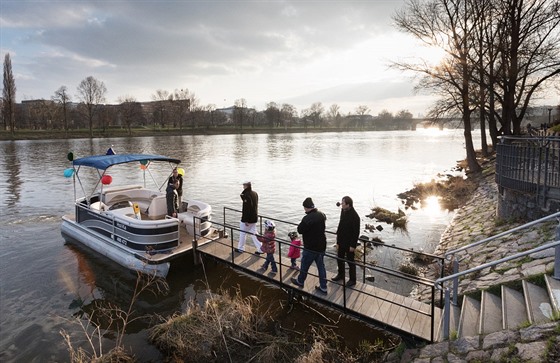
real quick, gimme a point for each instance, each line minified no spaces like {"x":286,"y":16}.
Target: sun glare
{"x":431,"y":206}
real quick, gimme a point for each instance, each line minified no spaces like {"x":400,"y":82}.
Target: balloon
{"x":143,"y":167}
{"x":181,"y":171}
{"x":70,"y":156}
{"x":144,"y":162}
{"x":68,"y":172}
{"x":106,"y":179}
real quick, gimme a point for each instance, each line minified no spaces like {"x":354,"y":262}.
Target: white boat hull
{"x":106,"y":247}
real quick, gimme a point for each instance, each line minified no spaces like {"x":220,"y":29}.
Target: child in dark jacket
{"x":295,"y":249}
{"x":269,"y":245}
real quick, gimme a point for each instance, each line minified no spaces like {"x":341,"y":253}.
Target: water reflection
{"x":12,"y":167}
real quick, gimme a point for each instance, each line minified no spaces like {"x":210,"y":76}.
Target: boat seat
{"x":157,"y":208}
{"x":132,"y":195}
{"x":98,"y":206}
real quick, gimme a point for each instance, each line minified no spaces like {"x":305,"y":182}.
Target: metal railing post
{"x":364,"y":263}
{"x":446,"y":315}
{"x":455,"y":282}
{"x":557,"y":255}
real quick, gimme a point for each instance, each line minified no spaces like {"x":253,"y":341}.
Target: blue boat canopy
{"x":103,"y":162}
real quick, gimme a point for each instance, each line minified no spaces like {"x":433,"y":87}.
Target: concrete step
{"x":514,"y":311}
{"x":539,"y":309}
{"x":470,"y":313}
{"x":553,"y":287}
{"x":453,"y":323}
{"x":490,"y":320}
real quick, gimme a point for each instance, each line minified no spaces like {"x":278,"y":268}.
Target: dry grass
{"x":398,"y":220}
{"x":453,"y":191}
{"x":109,"y":320}
{"x":232,"y":329}
{"x":225,"y":328}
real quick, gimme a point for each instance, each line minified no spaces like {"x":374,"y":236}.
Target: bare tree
{"x":333,"y":114}
{"x":129,"y":110}
{"x":529,"y":35}
{"x":404,"y":115}
{"x":240,"y":112}
{"x":185,"y":102}
{"x":448,"y":25}
{"x":91,"y":92}
{"x":288,"y":112}
{"x":62,"y":98}
{"x":9,"y":95}
{"x":162,"y":100}
{"x":272,"y":113}
{"x":316,"y":114}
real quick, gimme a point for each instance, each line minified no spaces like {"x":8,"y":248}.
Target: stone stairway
{"x":509,"y":310}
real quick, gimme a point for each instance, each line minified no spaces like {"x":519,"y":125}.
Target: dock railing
{"x":451,"y":294}
{"x":366,"y":266}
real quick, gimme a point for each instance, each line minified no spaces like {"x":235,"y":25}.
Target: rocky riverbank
{"x":475,"y":221}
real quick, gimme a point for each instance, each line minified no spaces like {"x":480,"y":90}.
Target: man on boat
{"x":249,"y":218}
{"x":172,"y":198}
{"x":177,"y":176}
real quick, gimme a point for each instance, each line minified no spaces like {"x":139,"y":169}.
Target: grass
{"x":109,"y":320}
{"x":398,"y":220}
{"x":408,"y":268}
{"x":232,"y":328}
{"x":453,"y":191}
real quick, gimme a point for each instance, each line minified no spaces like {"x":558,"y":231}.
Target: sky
{"x":296,"y":52}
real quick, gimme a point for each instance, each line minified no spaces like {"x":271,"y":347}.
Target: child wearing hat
{"x":294,"y":252}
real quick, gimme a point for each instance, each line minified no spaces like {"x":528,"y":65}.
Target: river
{"x":44,"y":281}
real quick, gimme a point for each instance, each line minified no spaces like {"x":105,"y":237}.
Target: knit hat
{"x":308,"y":203}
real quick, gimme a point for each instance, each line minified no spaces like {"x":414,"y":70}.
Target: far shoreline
{"x":150,"y":132}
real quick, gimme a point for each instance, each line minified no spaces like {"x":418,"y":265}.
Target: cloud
{"x":327,"y":51}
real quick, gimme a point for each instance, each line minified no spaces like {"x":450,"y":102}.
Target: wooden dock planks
{"x":372,"y":303}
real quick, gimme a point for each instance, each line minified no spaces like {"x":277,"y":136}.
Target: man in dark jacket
{"x":179,"y":177}
{"x":347,"y":236}
{"x":312,"y":229}
{"x":249,"y":218}
{"x":172,"y":199}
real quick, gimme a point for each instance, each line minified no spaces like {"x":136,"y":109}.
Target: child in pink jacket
{"x":295,"y":251}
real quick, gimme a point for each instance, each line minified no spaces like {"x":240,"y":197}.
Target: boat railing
{"x":229,"y":230}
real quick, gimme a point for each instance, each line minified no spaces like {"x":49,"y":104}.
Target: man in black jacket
{"x":172,"y":199}
{"x":249,"y":218}
{"x":312,"y":229}
{"x":347,"y":236}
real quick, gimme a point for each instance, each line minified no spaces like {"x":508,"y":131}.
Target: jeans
{"x":244,"y":229}
{"x":307,"y":258}
{"x":270,"y":260}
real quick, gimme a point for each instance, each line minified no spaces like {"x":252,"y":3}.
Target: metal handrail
{"x":363,"y":264}
{"x":439,"y":283}
{"x":502,"y":234}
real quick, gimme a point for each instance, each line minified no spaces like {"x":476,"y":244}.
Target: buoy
{"x":106,"y":179}
{"x":68,"y":172}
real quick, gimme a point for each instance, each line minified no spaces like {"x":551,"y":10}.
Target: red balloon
{"x":106,"y":179}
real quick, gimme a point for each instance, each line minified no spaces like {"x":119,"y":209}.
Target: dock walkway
{"x":363,"y":300}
